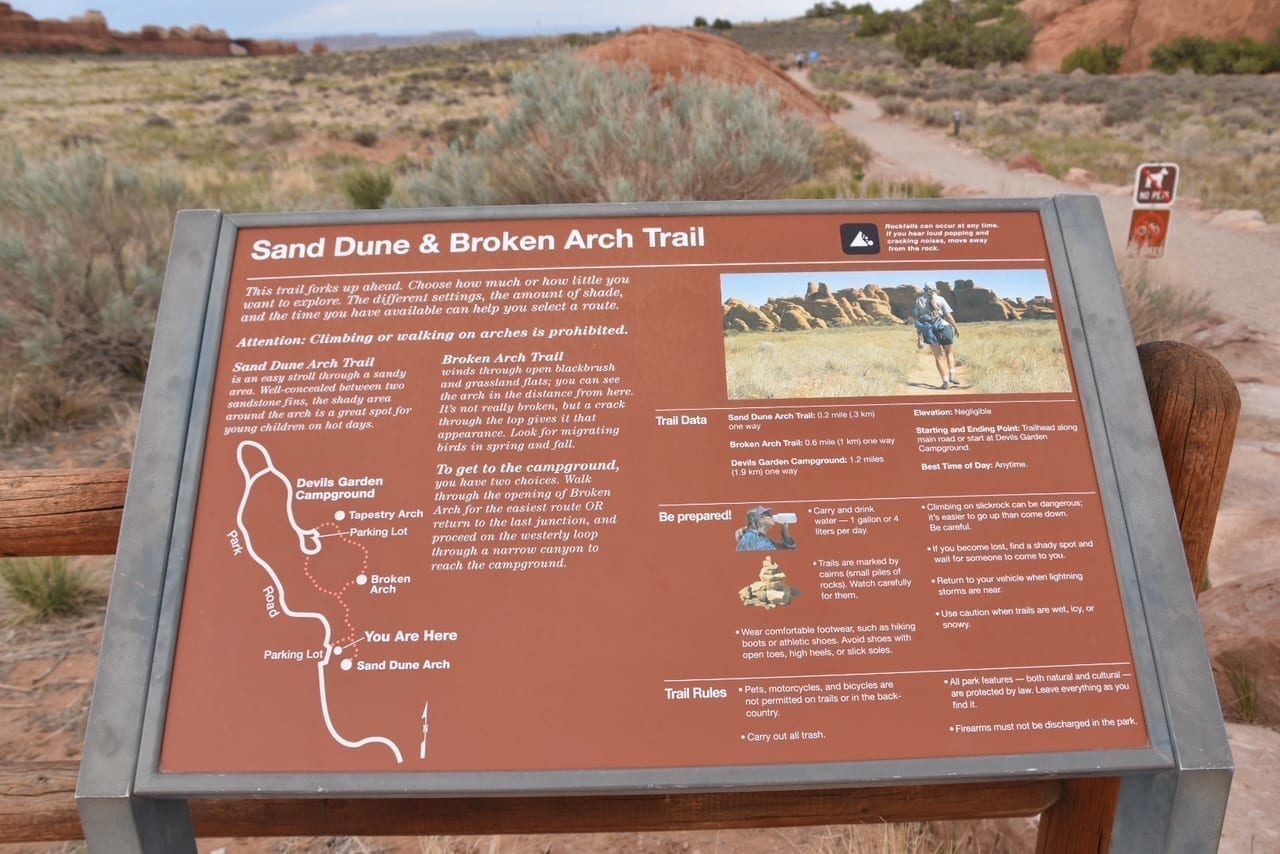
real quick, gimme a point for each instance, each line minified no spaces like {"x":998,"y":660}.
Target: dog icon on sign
{"x":1156,"y":184}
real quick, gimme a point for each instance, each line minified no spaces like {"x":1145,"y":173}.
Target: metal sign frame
{"x":1174,"y":791}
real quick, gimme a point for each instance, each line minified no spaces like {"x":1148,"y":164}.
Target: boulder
{"x":1241,"y":622}
{"x":742,"y":317}
{"x":796,"y":319}
{"x":1243,"y":220}
{"x":972,"y":303}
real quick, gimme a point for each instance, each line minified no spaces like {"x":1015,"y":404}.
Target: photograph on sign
{"x":644,"y":491}
{"x":844,"y":337}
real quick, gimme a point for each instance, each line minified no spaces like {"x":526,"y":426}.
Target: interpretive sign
{"x":586,"y":498}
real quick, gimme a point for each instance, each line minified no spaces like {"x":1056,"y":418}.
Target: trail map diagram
{"x":316,"y":574}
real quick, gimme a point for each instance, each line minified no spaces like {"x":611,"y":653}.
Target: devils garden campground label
{"x":644,"y":492}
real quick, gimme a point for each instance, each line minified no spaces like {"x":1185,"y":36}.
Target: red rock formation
{"x":1139,"y":25}
{"x":673,"y":52}
{"x":88,"y":33}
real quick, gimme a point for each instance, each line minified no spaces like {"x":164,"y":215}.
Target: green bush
{"x":962,"y":37}
{"x":367,"y":189}
{"x":1102,"y":58}
{"x":582,"y":132}
{"x":82,"y":253}
{"x":46,"y":587}
{"x":875,"y":23}
{"x":1228,"y":56}
{"x":721,"y":24}
{"x":699,"y":21}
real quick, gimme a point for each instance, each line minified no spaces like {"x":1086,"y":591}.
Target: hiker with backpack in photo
{"x":936,"y":326}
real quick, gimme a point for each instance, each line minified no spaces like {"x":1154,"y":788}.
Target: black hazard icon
{"x":1155,"y":184}
{"x":859,"y":238}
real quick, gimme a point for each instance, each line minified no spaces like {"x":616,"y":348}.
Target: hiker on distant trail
{"x":936,"y":326}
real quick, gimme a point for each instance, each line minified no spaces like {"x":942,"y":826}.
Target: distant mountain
{"x":370,"y":41}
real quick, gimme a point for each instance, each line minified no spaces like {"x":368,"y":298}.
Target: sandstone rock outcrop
{"x":89,"y":33}
{"x":1139,"y":25}
{"x":822,"y":308}
{"x":667,"y":51}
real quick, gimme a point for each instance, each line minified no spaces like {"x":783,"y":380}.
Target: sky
{"x":757,"y":288}
{"x":306,"y":18}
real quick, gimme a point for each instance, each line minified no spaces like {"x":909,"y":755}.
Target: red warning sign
{"x":1148,"y":230}
{"x":1155,"y":184}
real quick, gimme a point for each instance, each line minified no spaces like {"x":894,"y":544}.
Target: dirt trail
{"x":1235,"y":268}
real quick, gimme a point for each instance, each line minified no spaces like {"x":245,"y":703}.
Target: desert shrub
{"x":580,"y":132}
{"x":839,"y":150}
{"x":367,"y":137}
{"x":459,"y":131}
{"x":36,"y":400}
{"x":82,"y":253}
{"x":955,"y":36}
{"x":278,"y":131}
{"x":894,"y":106}
{"x":237,"y":115}
{"x":721,"y":24}
{"x":1226,"y":56}
{"x":1102,"y":58}
{"x":367,"y":189}
{"x":46,"y":587}
{"x":833,"y":103}
{"x":875,"y":23}
{"x":1158,"y":308}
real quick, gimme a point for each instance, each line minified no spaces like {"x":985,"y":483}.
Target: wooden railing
{"x":77,"y":512}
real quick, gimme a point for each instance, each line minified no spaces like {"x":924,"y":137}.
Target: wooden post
{"x":1196,"y":407}
{"x":61,"y":511}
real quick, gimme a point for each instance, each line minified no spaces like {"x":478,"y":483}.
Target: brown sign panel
{"x":646,"y":492}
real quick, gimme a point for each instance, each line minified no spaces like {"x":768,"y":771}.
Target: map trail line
{"x":308,"y":544}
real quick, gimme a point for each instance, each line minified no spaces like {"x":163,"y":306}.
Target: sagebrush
{"x":83,"y":244}
{"x":583,"y":132}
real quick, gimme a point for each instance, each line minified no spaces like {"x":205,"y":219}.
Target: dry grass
{"x":1160,"y":307}
{"x":880,"y":361}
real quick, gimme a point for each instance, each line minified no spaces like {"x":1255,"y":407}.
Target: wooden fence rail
{"x":77,"y":512}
